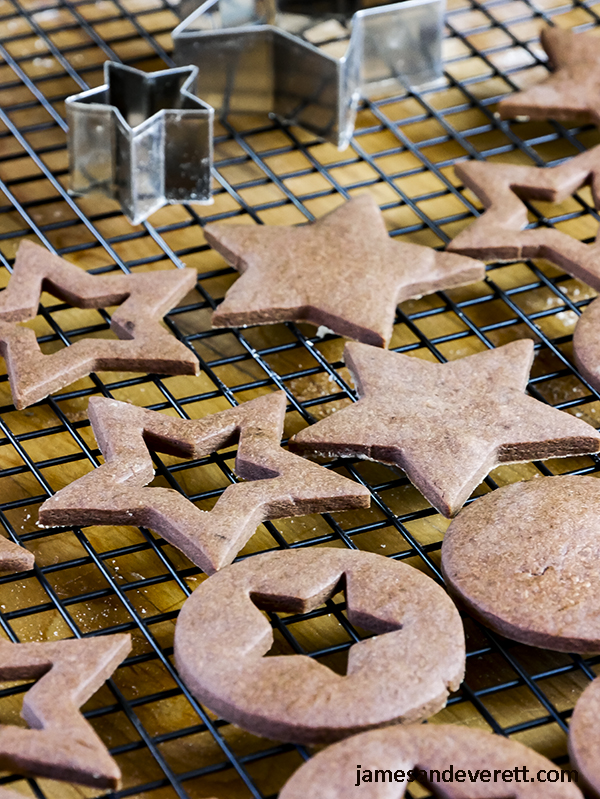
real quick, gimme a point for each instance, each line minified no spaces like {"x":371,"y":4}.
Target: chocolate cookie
{"x":498,"y":233}
{"x":14,"y":558}
{"x":447,"y":425}
{"x":61,"y":744}
{"x":143,"y":300}
{"x":584,"y":738}
{"x":525,"y":560}
{"x":278,"y":483}
{"x":404,"y":673}
{"x":453,"y":762}
{"x":586,"y":344}
{"x":573,"y":88}
{"x":343,"y":271}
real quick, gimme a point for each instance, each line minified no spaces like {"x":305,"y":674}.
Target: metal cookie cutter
{"x":143,"y":139}
{"x":308,"y":62}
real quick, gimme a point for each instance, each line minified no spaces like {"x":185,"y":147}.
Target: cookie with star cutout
{"x":143,"y":345}
{"x":343,"y":272}
{"x":403,"y":673}
{"x":60,"y":743}
{"x":452,"y":761}
{"x":275,"y":483}
{"x":446,"y":425}
{"x":503,"y":233}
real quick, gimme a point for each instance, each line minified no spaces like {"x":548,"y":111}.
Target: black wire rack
{"x":93,"y":581}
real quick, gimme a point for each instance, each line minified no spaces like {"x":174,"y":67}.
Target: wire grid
{"x":86,"y":581}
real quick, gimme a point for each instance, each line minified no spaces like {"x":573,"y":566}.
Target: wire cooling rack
{"x":99,"y":580}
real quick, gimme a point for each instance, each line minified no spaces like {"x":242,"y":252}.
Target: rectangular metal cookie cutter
{"x":308,"y":62}
{"x":143,"y":139}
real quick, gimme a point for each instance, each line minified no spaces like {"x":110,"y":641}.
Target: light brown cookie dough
{"x":584,"y":738}
{"x":144,"y":345}
{"x":276,"y":483}
{"x":404,"y":673}
{"x":446,"y":425}
{"x":475,"y":765}
{"x":525,"y":560}
{"x":343,"y":272}
{"x":61,"y":744}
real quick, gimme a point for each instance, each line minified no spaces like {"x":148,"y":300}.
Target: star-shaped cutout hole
{"x":343,"y":271}
{"x":573,"y":87}
{"x":143,"y":345}
{"x":61,"y":744}
{"x":498,"y":233}
{"x":446,"y":425}
{"x":277,"y":483}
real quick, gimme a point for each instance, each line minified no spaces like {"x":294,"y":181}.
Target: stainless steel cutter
{"x":308,"y":62}
{"x":143,"y":139}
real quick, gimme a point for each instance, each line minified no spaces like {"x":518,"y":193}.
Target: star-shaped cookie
{"x":447,"y":425}
{"x":144,"y":345}
{"x":342,"y":271}
{"x":573,"y":88}
{"x":278,"y":483}
{"x":61,"y":744}
{"x":498,"y":233}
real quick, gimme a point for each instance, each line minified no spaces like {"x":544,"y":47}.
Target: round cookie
{"x":586,"y":344}
{"x":584,"y":738}
{"x":454,"y":762}
{"x":403,"y":673}
{"x":525,"y":560}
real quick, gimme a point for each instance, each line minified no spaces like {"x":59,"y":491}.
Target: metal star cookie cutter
{"x":143,"y":139}
{"x":308,"y":68}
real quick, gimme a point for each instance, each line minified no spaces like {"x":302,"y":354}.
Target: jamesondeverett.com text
{"x":452,"y":774}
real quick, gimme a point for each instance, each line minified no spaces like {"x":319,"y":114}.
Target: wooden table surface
{"x":105,"y":578}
